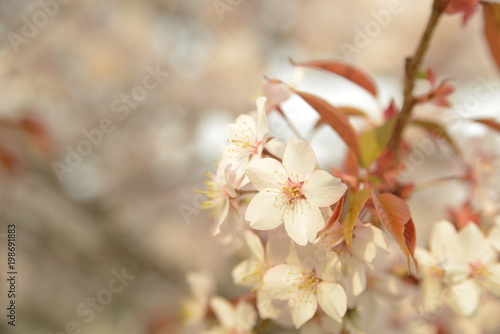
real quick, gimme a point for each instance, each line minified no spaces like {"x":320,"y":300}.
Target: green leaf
{"x":373,"y":142}
{"x":356,"y":203}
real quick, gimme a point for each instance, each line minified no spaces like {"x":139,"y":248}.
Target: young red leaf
{"x":356,"y":203}
{"x":491,"y":14}
{"x":336,"y":212}
{"x":491,"y":123}
{"x":345,"y":70}
{"x":395,"y":214}
{"x":456,"y":6}
{"x":333,"y":117}
{"x":391,"y":111}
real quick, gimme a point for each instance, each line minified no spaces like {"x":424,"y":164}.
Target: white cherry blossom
{"x":304,"y":287}
{"x":292,"y":192}
{"x":246,"y":139}
{"x":238,"y":319}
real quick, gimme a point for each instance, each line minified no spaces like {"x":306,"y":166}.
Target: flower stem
{"x":411,"y":70}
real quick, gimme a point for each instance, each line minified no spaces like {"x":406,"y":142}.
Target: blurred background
{"x":150,"y":87}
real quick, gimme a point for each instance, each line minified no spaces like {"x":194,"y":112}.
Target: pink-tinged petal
{"x":299,"y":159}
{"x":264,"y":211}
{"x":266,"y":173}
{"x":255,"y":245}
{"x":474,"y":244}
{"x":278,"y":281}
{"x":223,"y":311}
{"x":303,"y":307}
{"x":246,"y":317}
{"x":303,"y":221}
{"x":444,"y":239}
{"x":332,"y":299}
{"x":323,"y":189}
{"x":464,"y":297}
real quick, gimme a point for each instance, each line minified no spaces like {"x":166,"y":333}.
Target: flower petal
{"x":262,"y":212}
{"x":278,"y":281}
{"x":323,"y":189}
{"x":266,"y":173}
{"x":266,"y":306}
{"x":332,"y":299}
{"x":303,"y":307}
{"x":224,"y":311}
{"x":492,"y":280}
{"x":494,"y":237}
{"x":255,"y":245}
{"x":474,"y":244}
{"x":299,"y":159}
{"x":464,"y":297}
{"x":303,"y":221}
{"x":444,"y":239}
{"x":246,"y":317}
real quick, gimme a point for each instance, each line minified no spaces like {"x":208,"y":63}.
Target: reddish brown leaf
{"x":345,"y":70}
{"x":456,"y":6}
{"x":491,"y":14}
{"x":348,"y":111}
{"x":336,"y":212}
{"x":410,"y":236}
{"x":491,"y":123}
{"x":395,"y":214}
{"x":333,"y":117}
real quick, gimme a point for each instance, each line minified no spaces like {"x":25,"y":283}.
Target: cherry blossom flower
{"x":246,"y":137}
{"x":239,"y":319}
{"x":461,"y":266}
{"x":304,"y":287}
{"x":195,"y":309}
{"x":250,"y":272}
{"x":220,"y":189}
{"x":292,"y":192}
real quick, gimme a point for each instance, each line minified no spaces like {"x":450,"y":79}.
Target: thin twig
{"x":411,"y":70}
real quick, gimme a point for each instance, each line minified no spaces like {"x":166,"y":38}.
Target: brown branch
{"x":411,"y":70}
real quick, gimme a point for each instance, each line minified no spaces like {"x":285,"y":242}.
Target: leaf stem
{"x":411,"y":70}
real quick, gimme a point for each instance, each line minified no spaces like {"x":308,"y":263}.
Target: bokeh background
{"x":131,"y":202}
